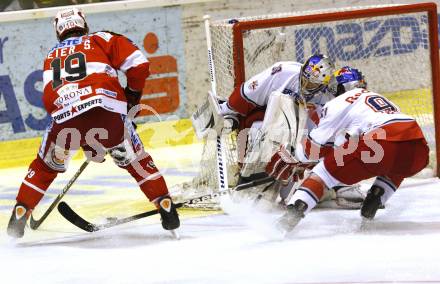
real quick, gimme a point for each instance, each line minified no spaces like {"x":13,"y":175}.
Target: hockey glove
{"x":133,"y":98}
{"x":230,"y":123}
{"x":283,"y":166}
{"x":231,"y":120}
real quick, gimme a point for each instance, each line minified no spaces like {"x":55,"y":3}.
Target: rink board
{"x":16,"y":153}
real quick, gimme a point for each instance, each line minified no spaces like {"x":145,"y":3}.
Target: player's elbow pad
{"x":136,"y":76}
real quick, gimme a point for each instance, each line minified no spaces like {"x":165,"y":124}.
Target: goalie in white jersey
{"x":380,"y":142}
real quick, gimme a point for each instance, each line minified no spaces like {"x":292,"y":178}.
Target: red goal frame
{"x":430,"y":8}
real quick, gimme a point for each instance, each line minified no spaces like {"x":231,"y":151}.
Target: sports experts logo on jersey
{"x":63,"y":115}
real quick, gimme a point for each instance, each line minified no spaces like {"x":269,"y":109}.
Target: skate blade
{"x":366,"y":224}
{"x":281,"y":232}
{"x":175,"y":234}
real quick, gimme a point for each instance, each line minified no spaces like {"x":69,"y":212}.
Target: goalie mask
{"x":346,"y":79}
{"x":316,"y":73}
{"x":69,"y":21}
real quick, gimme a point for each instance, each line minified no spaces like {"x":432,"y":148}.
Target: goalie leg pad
{"x":280,"y":126}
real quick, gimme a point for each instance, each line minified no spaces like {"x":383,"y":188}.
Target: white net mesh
{"x":391,"y":51}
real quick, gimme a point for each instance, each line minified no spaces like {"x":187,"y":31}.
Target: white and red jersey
{"x":282,"y":76}
{"x":80,"y":73}
{"x":358,"y":113}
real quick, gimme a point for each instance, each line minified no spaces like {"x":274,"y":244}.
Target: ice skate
{"x":169,"y":216}
{"x":372,"y":202}
{"x":18,"y":219}
{"x":294,"y":214}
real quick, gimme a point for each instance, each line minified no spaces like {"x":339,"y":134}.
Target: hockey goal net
{"x":395,"y":46}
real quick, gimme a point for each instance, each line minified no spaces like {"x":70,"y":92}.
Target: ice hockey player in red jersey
{"x":380,"y":142}
{"x":89,"y":110}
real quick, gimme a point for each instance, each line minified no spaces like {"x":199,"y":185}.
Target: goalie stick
{"x":33,"y":223}
{"x":222,"y":171}
{"x":67,"y":212}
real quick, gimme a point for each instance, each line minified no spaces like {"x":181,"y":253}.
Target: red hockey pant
{"x":401,"y":159}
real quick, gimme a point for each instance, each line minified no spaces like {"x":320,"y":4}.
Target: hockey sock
{"x":35,"y":184}
{"x":149,"y":179}
{"x":310,"y":192}
{"x":388,"y":187}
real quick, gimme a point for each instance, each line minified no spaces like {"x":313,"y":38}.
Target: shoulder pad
{"x":104,"y":35}
{"x":110,"y":32}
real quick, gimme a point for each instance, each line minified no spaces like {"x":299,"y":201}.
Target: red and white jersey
{"x":282,"y":76}
{"x":358,"y":112}
{"x":80,"y":73}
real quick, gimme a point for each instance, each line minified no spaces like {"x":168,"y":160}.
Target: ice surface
{"x":402,"y":245}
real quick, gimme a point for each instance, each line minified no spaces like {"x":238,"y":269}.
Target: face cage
{"x":308,"y":94}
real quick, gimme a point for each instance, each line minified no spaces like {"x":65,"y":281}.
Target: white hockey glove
{"x":231,"y":121}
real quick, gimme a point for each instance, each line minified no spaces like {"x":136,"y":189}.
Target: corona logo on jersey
{"x":70,"y":93}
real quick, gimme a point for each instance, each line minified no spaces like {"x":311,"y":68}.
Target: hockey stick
{"x":222,"y":170}
{"x":34,"y":224}
{"x":67,"y":212}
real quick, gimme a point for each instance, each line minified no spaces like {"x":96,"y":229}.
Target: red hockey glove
{"x":133,"y":98}
{"x":283,"y":166}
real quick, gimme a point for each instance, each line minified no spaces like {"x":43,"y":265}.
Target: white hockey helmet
{"x":316,"y":73}
{"x":70,"y":20}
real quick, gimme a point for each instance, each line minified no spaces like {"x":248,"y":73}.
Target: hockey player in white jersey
{"x":379,"y":142}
